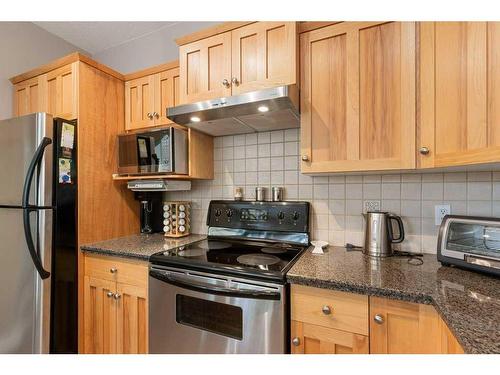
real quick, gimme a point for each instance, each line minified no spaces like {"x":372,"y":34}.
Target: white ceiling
{"x":95,"y":37}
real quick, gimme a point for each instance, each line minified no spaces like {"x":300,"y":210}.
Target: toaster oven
{"x":158,"y":151}
{"x":470,"y":242}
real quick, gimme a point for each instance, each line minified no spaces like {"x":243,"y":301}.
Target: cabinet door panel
{"x":406,"y":328}
{"x":139,"y":102}
{"x":459,"y":93}
{"x":28,"y":97}
{"x":264,"y":54}
{"x":62,"y":91}
{"x":99,"y":319}
{"x":358,"y":97}
{"x":314,"y":339}
{"x":166,"y":94}
{"x":132,"y":320}
{"x":203,"y":67}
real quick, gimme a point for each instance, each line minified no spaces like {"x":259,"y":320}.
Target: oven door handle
{"x":212,"y":289}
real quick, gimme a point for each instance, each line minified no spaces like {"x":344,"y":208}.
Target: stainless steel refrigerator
{"x":38,"y":259}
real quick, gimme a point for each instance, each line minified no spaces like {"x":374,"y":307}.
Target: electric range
{"x":228,"y":293}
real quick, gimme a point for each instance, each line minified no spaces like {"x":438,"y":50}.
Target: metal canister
{"x":277,"y":193}
{"x":260,"y":194}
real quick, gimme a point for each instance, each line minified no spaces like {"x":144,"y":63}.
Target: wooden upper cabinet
{"x":264,"y":54}
{"x":167,"y":94}
{"x":28,"y":97}
{"x":358,"y":97}
{"x":61,"y":93}
{"x":403,"y":328}
{"x":459,"y":93}
{"x":139,"y":102}
{"x":205,"y":69}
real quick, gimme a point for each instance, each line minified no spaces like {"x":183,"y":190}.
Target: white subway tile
{"x":336,"y":222}
{"x":305,"y":192}
{"x":277,"y":178}
{"x":277,"y":163}
{"x":412,"y":190}
{"x":291,"y":177}
{"x":320,"y":192}
{"x":217,"y":154}
{"x":353,"y":179}
{"x":336,"y":179}
{"x":291,"y":192}
{"x":391,"y":205}
{"x":432,"y":191}
{"x":411,"y":209}
{"x":277,"y":149}
{"x":218,"y":142}
{"x":479,"y":208}
{"x":411,"y":177}
{"x":239,"y":152}
{"x":337,"y":206}
{"x":251,"y":165}
{"x":354,"y":223}
{"x":480,"y":191}
{"x":354,"y":191}
{"x":251,"y":139}
{"x":478,"y":176}
{"x":264,"y":137}
{"x":265,"y":179}
{"x":291,"y":163}
{"x":228,"y":141}
{"x":264,"y":164}
{"x":391,"y":191}
{"x":320,"y":179}
{"x":277,"y":136}
{"x":305,"y":179}
{"x":320,"y":206}
{"x":337,"y":191}
{"x":239,"y":140}
{"x":240,"y":165}
{"x":291,"y":148}
{"x":228,"y":166}
{"x":251,"y":151}
{"x":372,"y":179}
{"x":251,"y":178}
{"x":291,"y":135}
{"x":432,"y":177}
{"x":455,"y":191}
{"x":455,"y":177}
{"x":390,"y":178}
{"x":354,"y":207}
{"x":264,"y":150}
{"x":371,"y":191}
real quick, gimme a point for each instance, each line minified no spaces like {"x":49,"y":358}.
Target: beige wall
{"x":149,"y":50}
{"x":24,"y":46}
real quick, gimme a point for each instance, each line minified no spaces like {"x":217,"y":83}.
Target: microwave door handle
{"x":212,"y":289}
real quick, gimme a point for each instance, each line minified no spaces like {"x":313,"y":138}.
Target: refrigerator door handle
{"x":27,"y":208}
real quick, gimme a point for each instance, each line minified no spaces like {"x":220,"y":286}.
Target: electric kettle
{"x":379,"y":235}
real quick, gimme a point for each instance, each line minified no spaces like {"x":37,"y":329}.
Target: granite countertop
{"x":468,"y":302}
{"x":139,"y":246}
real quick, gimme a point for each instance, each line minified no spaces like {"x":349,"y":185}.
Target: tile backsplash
{"x":272,"y":159}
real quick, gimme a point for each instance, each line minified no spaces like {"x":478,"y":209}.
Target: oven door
{"x":193,"y":312}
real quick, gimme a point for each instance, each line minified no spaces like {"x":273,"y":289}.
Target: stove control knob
{"x":295,"y":216}
{"x":229,"y":213}
{"x":218,"y":212}
{"x":281,"y":215}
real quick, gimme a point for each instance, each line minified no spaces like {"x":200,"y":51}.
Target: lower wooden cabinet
{"x":403,"y":327}
{"x":333,"y":322}
{"x":313,"y":339}
{"x":115,"y":313}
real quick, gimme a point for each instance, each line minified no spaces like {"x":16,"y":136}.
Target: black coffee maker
{"x":151,"y":207}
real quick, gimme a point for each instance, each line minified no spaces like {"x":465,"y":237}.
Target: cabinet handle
{"x":150,"y":116}
{"x":113,"y":270}
{"x":225,"y":83}
{"x":424,"y":150}
{"x":235,"y":81}
{"x":109,"y":294}
{"x":326,"y":310}
{"x":156,"y":115}
{"x":379,"y":319}
{"x":117,"y":296}
{"x":296,"y":341}
{"x":305,"y":158}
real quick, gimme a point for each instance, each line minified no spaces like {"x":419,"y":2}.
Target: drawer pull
{"x":326,"y":310}
{"x":109,"y":294}
{"x":379,"y":319}
{"x":296,"y":341}
{"x":117,"y":296}
{"x":113,"y":270}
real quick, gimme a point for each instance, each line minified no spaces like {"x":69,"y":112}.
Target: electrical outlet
{"x":371,"y":206}
{"x":440,"y":211}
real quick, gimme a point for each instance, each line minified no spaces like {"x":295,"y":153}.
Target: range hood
{"x":257,"y":111}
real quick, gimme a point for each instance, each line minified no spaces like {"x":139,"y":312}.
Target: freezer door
{"x":19,"y":138}
{"x":24,"y":296}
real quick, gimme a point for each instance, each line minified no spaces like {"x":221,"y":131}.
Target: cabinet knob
{"x":113,"y":270}
{"x":326,"y":310}
{"x":117,"y":296}
{"x":296,"y":341}
{"x":379,"y":319}
{"x":109,"y":294}
{"x":235,"y":81}
{"x":156,"y":115}
{"x":305,"y":158}
{"x":424,"y":150}
{"x":225,"y":83}
{"x":150,"y":115}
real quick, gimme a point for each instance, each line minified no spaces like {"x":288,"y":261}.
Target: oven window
{"x":220,"y":318}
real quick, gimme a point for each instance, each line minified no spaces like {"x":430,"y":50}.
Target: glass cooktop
{"x":249,"y":258}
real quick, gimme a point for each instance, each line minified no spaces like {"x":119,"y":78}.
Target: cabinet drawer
{"x":348,"y":311}
{"x":125,"y":271}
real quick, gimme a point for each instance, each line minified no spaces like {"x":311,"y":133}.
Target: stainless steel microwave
{"x":159,"y":151}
